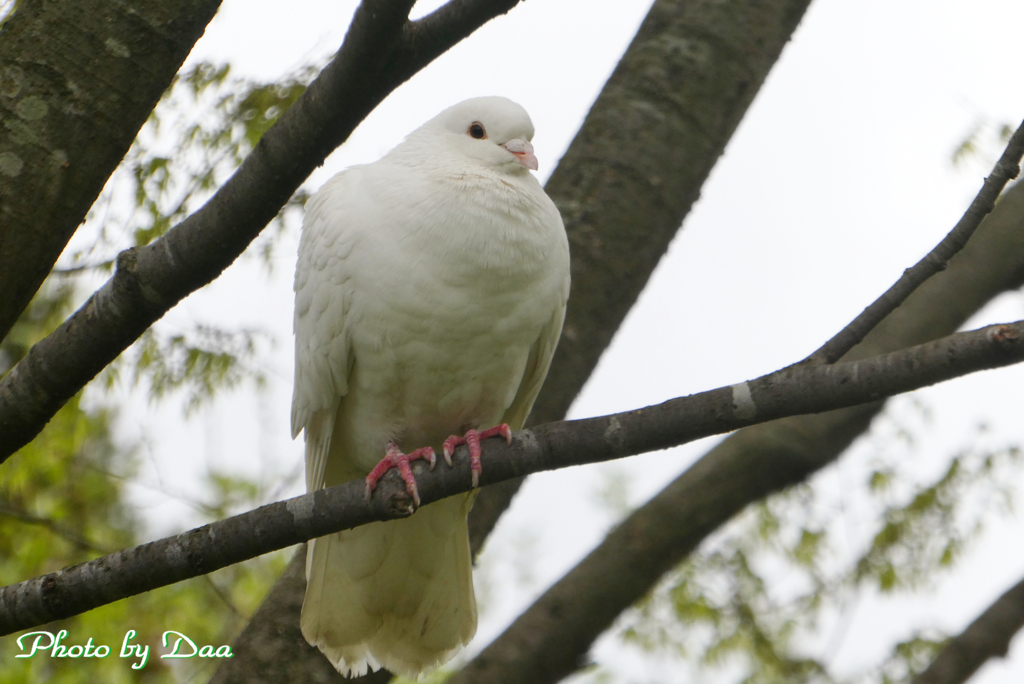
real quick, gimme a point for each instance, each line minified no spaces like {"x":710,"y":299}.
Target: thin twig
{"x":791,"y":391}
{"x":58,"y":529}
{"x":1006,"y":169}
{"x":73,"y":270}
{"x":223,"y":597}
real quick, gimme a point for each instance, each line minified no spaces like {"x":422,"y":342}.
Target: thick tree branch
{"x":664,"y":117}
{"x":77,"y":81}
{"x":987,"y":637}
{"x":551,"y":639}
{"x":381,"y":50}
{"x":1005,"y":170}
{"x":791,"y":391}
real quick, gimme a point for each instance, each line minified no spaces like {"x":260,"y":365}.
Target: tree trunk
{"x":77,"y":81}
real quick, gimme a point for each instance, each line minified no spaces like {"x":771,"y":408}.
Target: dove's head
{"x":493,"y":131}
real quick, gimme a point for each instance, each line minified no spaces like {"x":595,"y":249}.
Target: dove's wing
{"x":536,"y":369}
{"x":323,"y":296}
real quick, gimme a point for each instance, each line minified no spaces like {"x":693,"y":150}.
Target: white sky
{"x":838,"y":178}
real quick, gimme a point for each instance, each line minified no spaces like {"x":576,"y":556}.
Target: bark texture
{"x":77,"y":81}
{"x":624,"y":187}
{"x":551,"y":639}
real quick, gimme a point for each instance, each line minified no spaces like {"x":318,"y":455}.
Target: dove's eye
{"x":476,"y":129}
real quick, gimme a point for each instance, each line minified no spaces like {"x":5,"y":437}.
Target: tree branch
{"x":1005,"y":170}
{"x":791,"y":391}
{"x":987,"y":637}
{"x":77,"y":81}
{"x":381,"y":50}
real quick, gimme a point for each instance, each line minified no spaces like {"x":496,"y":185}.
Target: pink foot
{"x":394,"y":458}
{"x":472,"y":440}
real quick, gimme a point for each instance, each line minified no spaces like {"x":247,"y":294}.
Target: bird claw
{"x":394,"y":458}
{"x":472,"y":440}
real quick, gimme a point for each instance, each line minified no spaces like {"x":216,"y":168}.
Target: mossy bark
{"x":77,"y":81}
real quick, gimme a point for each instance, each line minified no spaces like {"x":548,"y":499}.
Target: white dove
{"x":430,"y":292}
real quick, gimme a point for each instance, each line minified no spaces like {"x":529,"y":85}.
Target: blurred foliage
{"x":910,"y":658}
{"x":613,"y":490}
{"x":758,"y":594}
{"x":983,"y":143}
{"x":199,"y":363}
{"x":62,"y":502}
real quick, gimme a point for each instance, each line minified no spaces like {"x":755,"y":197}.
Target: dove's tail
{"x":395,"y":594}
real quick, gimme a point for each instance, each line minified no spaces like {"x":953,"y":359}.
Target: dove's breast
{"x":449,"y":300}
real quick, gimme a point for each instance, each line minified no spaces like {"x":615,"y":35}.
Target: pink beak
{"x":522,"y":151}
